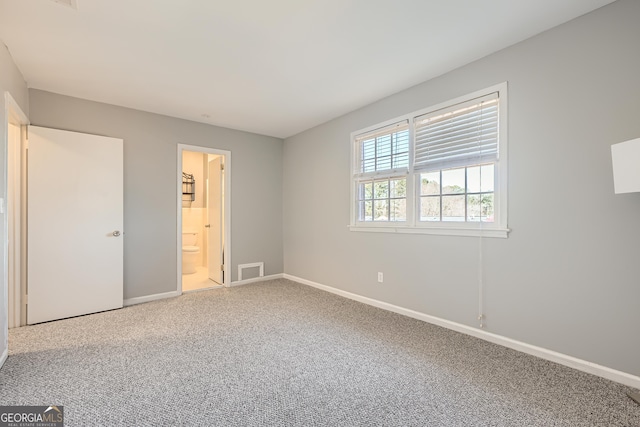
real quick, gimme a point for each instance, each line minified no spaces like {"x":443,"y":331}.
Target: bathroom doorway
{"x":203,"y":218}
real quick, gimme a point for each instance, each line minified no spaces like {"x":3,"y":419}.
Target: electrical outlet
{"x":380,"y":277}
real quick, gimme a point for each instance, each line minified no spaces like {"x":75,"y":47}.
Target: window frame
{"x":498,"y":228}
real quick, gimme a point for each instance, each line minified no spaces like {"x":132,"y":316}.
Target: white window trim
{"x":498,"y":229}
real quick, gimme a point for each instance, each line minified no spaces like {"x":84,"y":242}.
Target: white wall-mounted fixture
{"x":625,"y":157}
{"x":626,"y":166}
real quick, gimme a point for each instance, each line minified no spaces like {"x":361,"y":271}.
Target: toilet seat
{"x":190,"y":249}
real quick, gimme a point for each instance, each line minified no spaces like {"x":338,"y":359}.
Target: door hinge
{"x":221,"y":267}
{"x":25,"y":299}
{"x":221,"y":167}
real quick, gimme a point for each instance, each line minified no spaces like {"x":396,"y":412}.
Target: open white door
{"x":75,"y":221}
{"x":214,"y":212}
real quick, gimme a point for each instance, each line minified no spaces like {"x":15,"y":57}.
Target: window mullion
{"x":389,"y":206}
{"x":441,"y":200}
{"x":410,"y":193}
{"x":466,"y":198}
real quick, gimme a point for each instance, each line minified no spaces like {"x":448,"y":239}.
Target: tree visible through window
{"x":383,"y":200}
{"x":460,"y":194}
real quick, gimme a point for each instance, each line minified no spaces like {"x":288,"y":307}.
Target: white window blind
{"x":385,"y":149}
{"x":458,"y":135}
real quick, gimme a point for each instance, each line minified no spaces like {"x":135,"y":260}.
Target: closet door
{"x":74,"y":224}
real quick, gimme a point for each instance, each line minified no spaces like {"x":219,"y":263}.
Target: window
{"x":441,"y":170}
{"x":458,"y":195}
{"x":381,"y":178}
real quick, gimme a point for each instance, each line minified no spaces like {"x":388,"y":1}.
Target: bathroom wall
{"x":193,"y":219}
{"x":194,"y":214}
{"x":192,"y":163}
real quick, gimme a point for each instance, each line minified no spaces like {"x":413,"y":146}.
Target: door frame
{"x":213,"y":268}
{"x":226,"y":155}
{"x":15,"y":250}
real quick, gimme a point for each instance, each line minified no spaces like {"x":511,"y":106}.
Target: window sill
{"x":499,"y":233}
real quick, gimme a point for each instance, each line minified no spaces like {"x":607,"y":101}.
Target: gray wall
{"x":150,"y":167}
{"x":568,"y":276}
{"x":11,"y":81}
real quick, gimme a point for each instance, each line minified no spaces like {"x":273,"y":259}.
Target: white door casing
{"x":226,"y":207}
{"x":14,"y":223}
{"x":75,"y":224}
{"x":214,"y":218}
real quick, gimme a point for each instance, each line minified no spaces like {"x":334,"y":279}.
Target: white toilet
{"x":190,"y":252}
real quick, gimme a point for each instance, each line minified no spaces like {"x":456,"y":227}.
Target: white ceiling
{"x":274,"y":67}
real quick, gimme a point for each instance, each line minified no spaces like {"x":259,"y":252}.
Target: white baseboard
{"x":148,"y":298}
{"x":257,"y":279}
{"x":4,"y":356}
{"x":543,"y":353}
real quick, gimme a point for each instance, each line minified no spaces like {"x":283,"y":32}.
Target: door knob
{"x":207,"y":225}
{"x":116,"y":233}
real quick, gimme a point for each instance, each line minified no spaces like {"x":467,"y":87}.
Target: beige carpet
{"x":279,"y":353}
